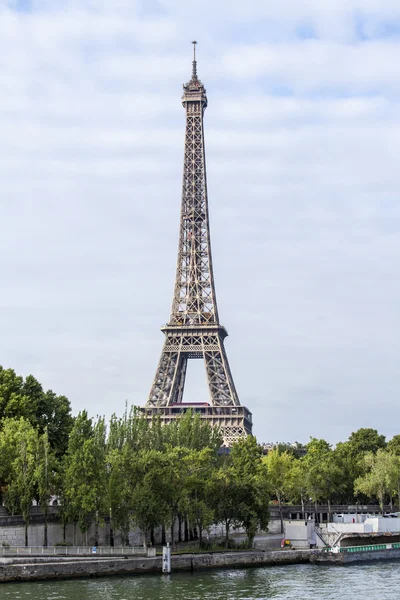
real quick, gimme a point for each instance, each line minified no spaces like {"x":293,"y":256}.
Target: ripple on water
{"x":373,"y":581}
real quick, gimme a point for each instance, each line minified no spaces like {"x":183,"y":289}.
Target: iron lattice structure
{"x":194,"y":330}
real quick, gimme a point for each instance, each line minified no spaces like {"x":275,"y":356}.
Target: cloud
{"x":302,"y":133}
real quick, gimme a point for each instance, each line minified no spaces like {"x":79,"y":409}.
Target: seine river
{"x":380,"y":581}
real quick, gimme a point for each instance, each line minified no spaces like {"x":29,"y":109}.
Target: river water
{"x":371,"y":581}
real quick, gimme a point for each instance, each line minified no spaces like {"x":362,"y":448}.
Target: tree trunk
{"x":172,"y":535}
{"x":145,"y":539}
{"x":280,"y":512}
{"x":96,"y":532}
{"x":302,"y":507}
{"x":226,"y":534}
{"x":111,"y":535}
{"x":329,"y":511}
{"x":45,"y":529}
{"x":316,"y":512}
{"x":398,"y":494}
{"x":250,"y":538}
{"x":152,"y":538}
{"x":179,"y":528}
{"x":163,"y":537}
{"x":200,"y":536}
{"x":26,"y":533}
{"x":186,"y":529}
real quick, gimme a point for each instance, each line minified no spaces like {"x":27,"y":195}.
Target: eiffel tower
{"x":194,"y":330}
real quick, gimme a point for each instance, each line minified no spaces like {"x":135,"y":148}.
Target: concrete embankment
{"x":346,"y":558}
{"x":32,"y":569}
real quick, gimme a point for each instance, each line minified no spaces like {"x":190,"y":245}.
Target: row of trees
{"x":166,"y":475}
{"x":142,"y":475}
{"x":44,"y":410}
{"x":362,"y":470}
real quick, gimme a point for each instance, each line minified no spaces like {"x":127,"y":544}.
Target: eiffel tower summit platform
{"x":194,"y":330}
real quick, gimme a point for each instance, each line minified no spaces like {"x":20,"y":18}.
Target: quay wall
{"x":345,"y":558}
{"x":14,"y":535}
{"x":62,"y":569}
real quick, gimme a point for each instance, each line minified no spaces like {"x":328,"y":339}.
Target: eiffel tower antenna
{"x":194,"y":330}
{"x":194,"y":64}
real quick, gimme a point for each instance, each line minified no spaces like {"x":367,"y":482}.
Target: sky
{"x":302,"y":140}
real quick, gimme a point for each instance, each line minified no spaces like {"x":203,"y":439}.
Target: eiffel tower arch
{"x":194,"y":330}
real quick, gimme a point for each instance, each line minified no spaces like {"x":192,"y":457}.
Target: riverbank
{"x":32,"y":569}
{"x":37,"y":568}
{"x":354,"y":555}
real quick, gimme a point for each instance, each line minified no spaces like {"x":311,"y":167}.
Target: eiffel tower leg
{"x":181,"y":377}
{"x":169,"y":380}
{"x":223,"y":395}
{"x":219,"y":377}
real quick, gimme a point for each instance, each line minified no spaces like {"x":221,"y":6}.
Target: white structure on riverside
{"x":346,"y":530}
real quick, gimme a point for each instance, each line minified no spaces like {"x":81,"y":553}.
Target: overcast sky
{"x":302,"y":141}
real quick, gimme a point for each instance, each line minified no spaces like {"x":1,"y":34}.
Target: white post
{"x":166,"y":559}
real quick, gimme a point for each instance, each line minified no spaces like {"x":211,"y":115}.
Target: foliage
{"x":378,"y":478}
{"x":150,"y":474}
{"x":279,"y":466}
{"x":366,"y":440}
{"x":18,"y":454}
{"x":85,"y":472}
{"x":26,"y":399}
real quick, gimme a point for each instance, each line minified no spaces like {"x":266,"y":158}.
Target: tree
{"x":297,"y":485}
{"x":193,"y":432}
{"x":253,"y":477}
{"x":322,"y":475}
{"x":377,"y":480}
{"x":195,"y":503}
{"x":328,"y":475}
{"x":393,"y":445}
{"x":46,"y":477}
{"x":120,"y":490}
{"x":351,"y":466}
{"x":279,"y":467}
{"x":366,"y":440}
{"x":394,"y":476}
{"x":151,"y":490}
{"x":27,"y":399}
{"x":226,"y":493}
{"x":84,"y":486}
{"x":18,"y":455}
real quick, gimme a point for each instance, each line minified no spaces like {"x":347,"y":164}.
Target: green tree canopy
{"x":365,"y":440}
{"x":377,"y":481}
{"x":27,"y":399}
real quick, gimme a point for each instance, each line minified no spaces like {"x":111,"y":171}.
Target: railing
{"x":369,"y":548}
{"x":77,"y":550}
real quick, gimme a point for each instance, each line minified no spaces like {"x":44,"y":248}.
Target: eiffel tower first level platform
{"x":194,"y":330}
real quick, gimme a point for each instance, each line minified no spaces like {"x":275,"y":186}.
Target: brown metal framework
{"x":194,"y":330}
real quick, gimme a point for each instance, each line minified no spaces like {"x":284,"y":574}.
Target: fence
{"x":370,"y":548}
{"x":77,"y":551}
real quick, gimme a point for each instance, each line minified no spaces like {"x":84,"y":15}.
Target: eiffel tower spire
{"x":194,"y":330}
